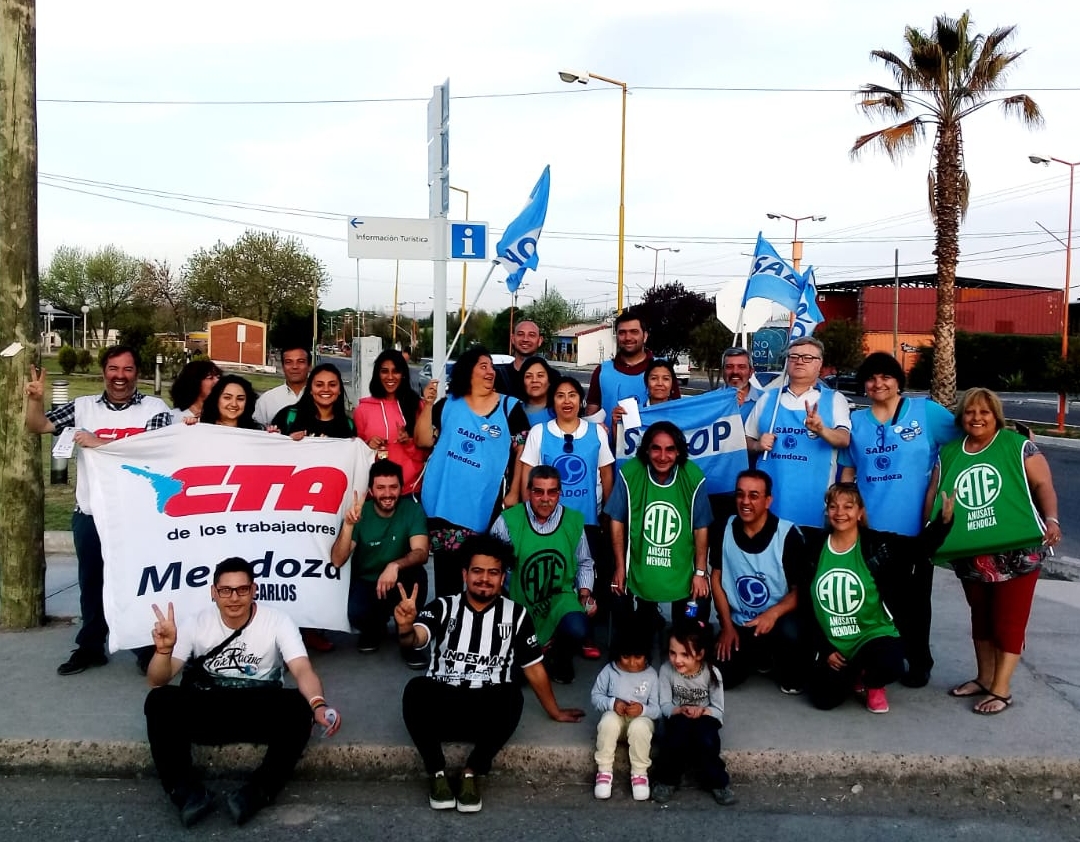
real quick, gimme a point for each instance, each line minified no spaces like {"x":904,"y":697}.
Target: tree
{"x":22,"y":548}
{"x":843,"y":341}
{"x":707,"y":343}
{"x":258,"y":277}
{"x":552,"y":313}
{"x":163,"y":290}
{"x":672,"y":312}
{"x":106,"y":279}
{"x":949,"y":74}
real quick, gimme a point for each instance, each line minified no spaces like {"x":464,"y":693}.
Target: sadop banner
{"x":170,"y":504}
{"x":714,"y":434}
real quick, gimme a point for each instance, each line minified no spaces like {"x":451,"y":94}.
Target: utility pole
{"x":22,"y":549}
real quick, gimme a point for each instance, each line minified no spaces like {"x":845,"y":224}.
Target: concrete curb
{"x":355,"y":761}
{"x":1055,"y":441}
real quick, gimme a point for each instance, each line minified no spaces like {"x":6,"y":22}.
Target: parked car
{"x":846,"y":382}
{"x":426,"y":373}
{"x":682,"y":369}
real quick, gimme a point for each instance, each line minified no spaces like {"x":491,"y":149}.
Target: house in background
{"x":583,"y":344}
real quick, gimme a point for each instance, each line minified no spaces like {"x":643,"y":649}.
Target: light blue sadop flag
{"x":516,"y":251}
{"x":808,"y":315}
{"x":771,"y":277}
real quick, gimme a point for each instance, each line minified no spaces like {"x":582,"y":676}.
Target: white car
{"x":682,"y":369}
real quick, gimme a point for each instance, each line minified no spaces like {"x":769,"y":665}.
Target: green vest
{"x":547,"y":568}
{"x":994,"y":509}
{"x":660,"y":566}
{"x":846,"y":601}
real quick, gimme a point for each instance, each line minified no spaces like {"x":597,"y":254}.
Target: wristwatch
{"x":700,"y":573}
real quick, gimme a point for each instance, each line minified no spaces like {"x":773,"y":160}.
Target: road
{"x":34,"y":808}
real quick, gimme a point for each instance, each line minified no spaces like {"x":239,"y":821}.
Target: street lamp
{"x":796,"y":244}
{"x":85,"y":309}
{"x":464,"y":263}
{"x":656,"y":255}
{"x":570,"y":77}
{"x":1036,"y":159}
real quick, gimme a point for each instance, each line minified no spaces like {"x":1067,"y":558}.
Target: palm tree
{"x":948,"y":75}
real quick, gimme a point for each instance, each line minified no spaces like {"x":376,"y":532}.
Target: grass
{"x":60,"y":499}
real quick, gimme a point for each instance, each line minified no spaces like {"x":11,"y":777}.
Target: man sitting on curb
{"x":479,"y":639}
{"x":231,"y":692}
{"x":756,"y":591}
{"x":387,"y":537}
{"x":554,"y":577}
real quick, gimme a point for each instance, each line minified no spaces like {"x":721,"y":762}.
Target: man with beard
{"x":554,"y":578}
{"x":121,"y":410}
{"x":526,"y":342}
{"x":387,"y":539}
{"x":479,"y":640}
{"x":737,"y":371}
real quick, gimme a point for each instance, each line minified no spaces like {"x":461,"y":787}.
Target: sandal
{"x":957,"y":694}
{"x":993,"y":698}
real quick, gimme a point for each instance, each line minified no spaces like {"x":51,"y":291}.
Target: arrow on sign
{"x":355,"y":223}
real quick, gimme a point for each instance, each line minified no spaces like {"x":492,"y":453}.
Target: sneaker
{"x":794,"y":690}
{"x":367,"y":643}
{"x":80,"y":660}
{"x":245,"y":803}
{"x":724,"y":796}
{"x":602,"y":787}
{"x":859,"y":688}
{"x":661,"y":793}
{"x":876,"y":701}
{"x":559,"y":672}
{"x":316,"y":641}
{"x":639,"y":787}
{"x":440,"y":796}
{"x":590,"y":651}
{"x":468,"y":799}
{"x":416,"y":659}
{"x":196,"y":805}
{"x":915,"y":678}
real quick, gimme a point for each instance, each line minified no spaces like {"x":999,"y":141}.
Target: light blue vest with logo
{"x":614,"y":386}
{"x":754,"y":582}
{"x":467,"y":465}
{"x":802,"y":465}
{"x":892,"y":466}
{"x":578,"y":470}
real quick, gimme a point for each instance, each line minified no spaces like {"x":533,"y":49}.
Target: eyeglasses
{"x":803,"y":358}
{"x":568,"y":443}
{"x":227,"y":592}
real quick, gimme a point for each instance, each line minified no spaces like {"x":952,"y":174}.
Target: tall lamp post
{"x":464,"y":263}
{"x":1062,"y":399}
{"x":571,"y":76}
{"x":85,"y":309}
{"x":796,"y":243}
{"x":656,"y":255}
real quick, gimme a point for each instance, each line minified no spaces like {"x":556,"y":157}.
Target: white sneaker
{"x":602,"y":787}
{"x":639,"y":786}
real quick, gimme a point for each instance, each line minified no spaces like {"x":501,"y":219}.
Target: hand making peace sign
{"x":164,"y":631}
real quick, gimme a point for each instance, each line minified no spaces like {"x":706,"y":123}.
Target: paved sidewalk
{"x":93,"y":724}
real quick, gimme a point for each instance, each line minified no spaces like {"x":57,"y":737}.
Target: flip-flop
{"x":993,"y":697}
{"x":956,"y":694}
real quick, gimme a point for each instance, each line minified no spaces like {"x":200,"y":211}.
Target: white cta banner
{"x":170,"y":504}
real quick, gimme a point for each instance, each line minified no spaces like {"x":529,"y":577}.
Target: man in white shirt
{"x":799,"y":441}
{"x":231,"y":692}
{"x":295,"y":365}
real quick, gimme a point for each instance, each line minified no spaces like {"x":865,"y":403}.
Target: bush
{"x":85,"y":360}
{"x":68,"y":358}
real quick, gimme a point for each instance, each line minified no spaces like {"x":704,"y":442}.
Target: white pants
{"x":637,"y":731}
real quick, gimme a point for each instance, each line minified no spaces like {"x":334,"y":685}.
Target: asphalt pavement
{"x":92,"y":724}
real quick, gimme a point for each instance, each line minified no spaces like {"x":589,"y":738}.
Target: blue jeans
{"x":368,"y":614}
{"x":94,"y":629}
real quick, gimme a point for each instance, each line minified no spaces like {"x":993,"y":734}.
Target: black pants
{"x":686,"y":745}
{"x":633,"y":615}
{"x":779,"y":651}
{"x":879,"y":661}
{"x":177,"y":717}
{"x":723,"y":507}
{"x":435,"y":713}
{"x":599,"y":539}
{"x":913,"y":622}
{"x":94,"y":629}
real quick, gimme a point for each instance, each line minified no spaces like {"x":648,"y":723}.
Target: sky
{"x":735,"y":111}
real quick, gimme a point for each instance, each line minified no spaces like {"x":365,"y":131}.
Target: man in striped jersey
{"x":479,"y":638}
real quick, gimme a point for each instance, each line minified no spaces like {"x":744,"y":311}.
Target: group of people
{"x":818,"y":562}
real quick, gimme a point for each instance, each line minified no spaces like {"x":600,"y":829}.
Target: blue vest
{"x":802,"y":465}
{"x":754,"y":583}
{"x":892,"y":466}
{"x":466,"y":468}
{"x":579,"y":470}
{"x":614,"y":386}
{"x":537,"y":414}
